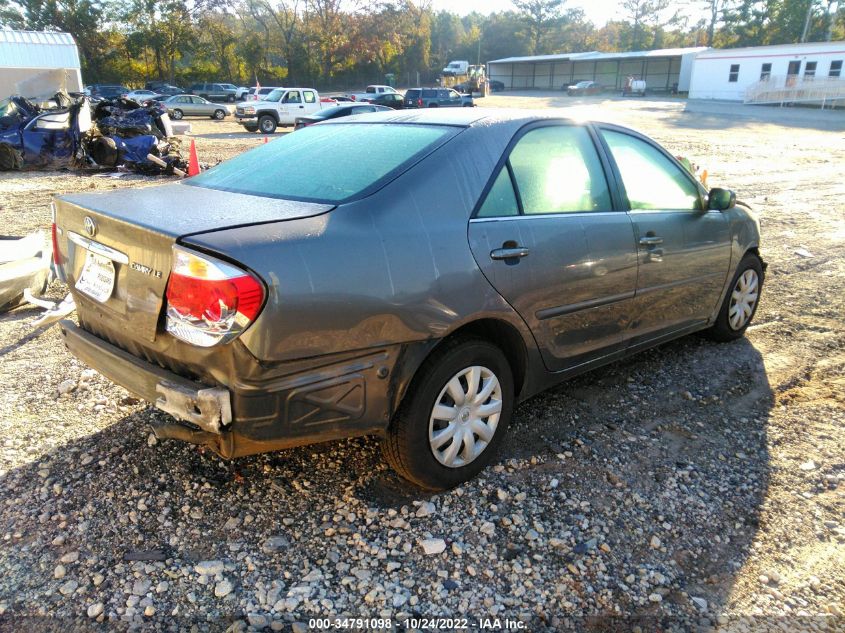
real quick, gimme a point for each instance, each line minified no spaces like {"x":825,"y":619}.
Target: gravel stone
{"x":433,"y":545}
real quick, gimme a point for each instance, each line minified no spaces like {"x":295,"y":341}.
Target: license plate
{"x":97,"y":277}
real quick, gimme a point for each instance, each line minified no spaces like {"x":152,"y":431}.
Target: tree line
{"x":342,"y":43}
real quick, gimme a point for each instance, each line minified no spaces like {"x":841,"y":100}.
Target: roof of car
{"x":463,"y":116}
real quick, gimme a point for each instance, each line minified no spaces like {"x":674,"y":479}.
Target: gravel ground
{"x":694,"y":487}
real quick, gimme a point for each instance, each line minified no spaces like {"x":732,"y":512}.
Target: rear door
{"x":684,"y":249}
{"x":549,"y":237}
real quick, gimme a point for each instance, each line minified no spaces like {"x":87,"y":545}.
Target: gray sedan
{"x":308,"y":291}
{"x":179,"y":106}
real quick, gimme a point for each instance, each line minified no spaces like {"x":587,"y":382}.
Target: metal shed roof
{"x":595,"y":55}
{"x":37,"y":49}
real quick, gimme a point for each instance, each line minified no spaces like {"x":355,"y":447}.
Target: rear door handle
{"x":509,"y":253}
{"x":651,"y":240}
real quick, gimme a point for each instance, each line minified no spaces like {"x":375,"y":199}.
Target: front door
{"x":548,"y":239}
{"x":684,"y":250}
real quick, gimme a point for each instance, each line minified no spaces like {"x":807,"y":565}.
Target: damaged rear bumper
{"x":207,"y":410}
{"x":297,"y":403}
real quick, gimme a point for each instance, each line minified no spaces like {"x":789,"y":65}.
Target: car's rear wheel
{"x":251,"y":128}
{"x":230,"y":98}
{"x":219,"y":115}
{"x":433,"y":105}
{"x":741,"y":301}
{"x":454,"y":417}
{"x":267,"y":124}
{"x":176,"y":114}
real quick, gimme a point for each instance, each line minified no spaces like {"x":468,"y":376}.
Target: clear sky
{"x":598,"y":11}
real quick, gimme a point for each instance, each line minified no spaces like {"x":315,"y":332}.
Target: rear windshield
{"x":325,"y":163}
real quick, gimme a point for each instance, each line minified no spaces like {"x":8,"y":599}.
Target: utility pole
{"x":807,"y":20}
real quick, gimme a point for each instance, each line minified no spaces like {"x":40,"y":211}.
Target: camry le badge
{"x":90,"y":226}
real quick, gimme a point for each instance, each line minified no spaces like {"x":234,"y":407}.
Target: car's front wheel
{"x":267,"y":124}
{"x":740,"y":302}
{"x":176,"y":114}
{"x":454,"y":416}
{"x":219,"y":115}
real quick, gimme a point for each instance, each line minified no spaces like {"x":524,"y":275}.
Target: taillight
{"x":210,"y":301}
{"x":419,"y":103}
{"x":54,"y":238}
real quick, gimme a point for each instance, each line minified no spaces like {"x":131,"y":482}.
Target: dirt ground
{"x":731,"y":456}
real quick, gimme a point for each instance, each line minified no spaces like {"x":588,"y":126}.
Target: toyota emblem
{"x":90,"y":226}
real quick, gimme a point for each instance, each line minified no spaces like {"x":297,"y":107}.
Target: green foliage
{"x":346,"y":43}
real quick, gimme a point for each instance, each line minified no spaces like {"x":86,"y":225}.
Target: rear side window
{"x":557,"y":170}
{"x":309,"y":96}
{"x":651,"y":180}
{"x":323,"y":163}
{"x":429,"y":94}
{"x":501,"y":201}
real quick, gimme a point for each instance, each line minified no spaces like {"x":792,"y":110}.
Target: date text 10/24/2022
{"x":419,"y":623}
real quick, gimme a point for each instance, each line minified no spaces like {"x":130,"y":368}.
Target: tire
{"x":727,"y":326}
{"x":177,"y":114}
{"x":230,"y":98}
{"x":266,"y":124}
{"x":251,"y":128}
{"x":219,"y":115}
{"x":409,"y":445}
{"x":10,"y":158}
{"x":433,"y":105}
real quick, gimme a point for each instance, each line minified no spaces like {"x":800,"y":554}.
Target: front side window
{"x":835,"y":68}
{"x":651,"y":179}
{"x":336,"y":169}
{"x":810,"y":69}
{"x":293,"y":97}
{"x":733,"y":75}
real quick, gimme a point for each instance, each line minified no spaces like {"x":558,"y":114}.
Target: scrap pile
{"x":71,"y":132}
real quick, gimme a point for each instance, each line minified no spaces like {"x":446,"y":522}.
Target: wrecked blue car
{"x":69,"y":134}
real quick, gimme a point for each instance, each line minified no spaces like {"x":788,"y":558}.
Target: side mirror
{"x":721,"y":199}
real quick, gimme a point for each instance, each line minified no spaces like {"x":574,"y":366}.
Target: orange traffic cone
{"x":193,"y":161}
{"x":266,"y":139}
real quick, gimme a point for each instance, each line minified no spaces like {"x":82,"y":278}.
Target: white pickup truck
{"x":280,"y":108}
{"x":371,"y":92}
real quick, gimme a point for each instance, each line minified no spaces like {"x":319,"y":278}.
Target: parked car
{"x":141,"y":96}
{"x":436,"y":98}
{"x":307,"y":290}
{"x":239,"y":91}
{"x":280,"y":107}
{"x":107,"y":91}
{"x":168,"y":91}
{"x":258,"y":94}
{"x":348,"y":109}
{"x":214,"y":92}
{"x":583,"y":88}
{"x":371,"y":92}
{"x":456,"y":68}
{"x":179,"y":106}
{"x":392,"y":100}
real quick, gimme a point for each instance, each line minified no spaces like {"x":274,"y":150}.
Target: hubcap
{"x":743,"y":299}
{"x":465,"y":416}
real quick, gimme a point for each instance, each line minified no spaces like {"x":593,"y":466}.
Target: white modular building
{"x":38,"y":63}
{"x":664,"y":70}
{"x":787,"y":73}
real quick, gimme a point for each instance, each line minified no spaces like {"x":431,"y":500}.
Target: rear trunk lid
{"x":123,"y":241}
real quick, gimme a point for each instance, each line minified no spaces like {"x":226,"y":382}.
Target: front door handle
{"x":509,"y":253}
{"x":651,"y":240}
